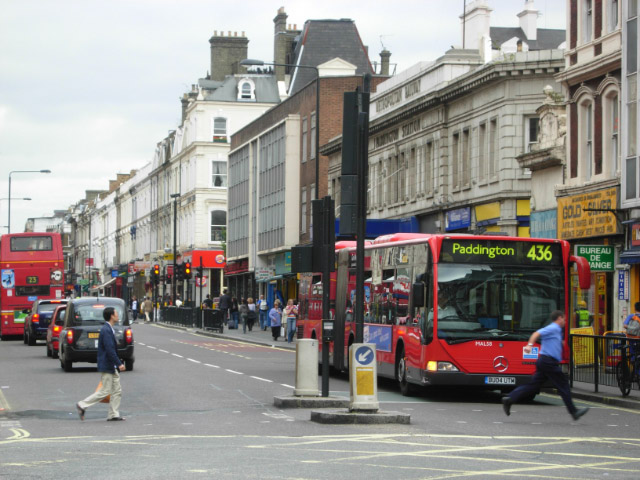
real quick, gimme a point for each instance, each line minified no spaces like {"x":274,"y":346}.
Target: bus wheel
{"x":406,"y":388}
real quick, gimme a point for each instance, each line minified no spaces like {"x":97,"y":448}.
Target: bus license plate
{"x":500,"y":380}
{"x":94,"y":335}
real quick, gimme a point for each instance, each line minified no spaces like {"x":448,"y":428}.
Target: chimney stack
{"x":280,"y":43}
{"x":226,"y":54}
{"x":384,"y":62}
{"x":529,"y":20}
{"x":475,"y":23}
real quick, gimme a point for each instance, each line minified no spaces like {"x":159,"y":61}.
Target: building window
{"x":455,"y":161}
{"x":312,"y":137}
{"x":412,"y":173}
{"x":380,"y":183}
{"x":611,"y":129}
{"x":531,"y":132}
{"x":219,"y":174}
{"x":466,"y":154}
{"x":482,"y":154}
{"x":493,"y":148}
{"x":312,"y":192}
{"x":402,"y":177}
{"x":304,"y":139}
{"x":218,"y":226}
{"x":587,"y":20}
{"x":613,"y":15}
{"x":220,"y":130}
{"x":303,"y":210}
{"x":585,"y":127}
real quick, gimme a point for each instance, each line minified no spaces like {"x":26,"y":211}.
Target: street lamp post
{"x":14,"y":198}
{"x":258,"y":63}
{"x":175,"y":197}
{"x":9,"y":196}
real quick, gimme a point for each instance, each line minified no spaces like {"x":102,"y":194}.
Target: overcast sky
{"x":88,"y":87}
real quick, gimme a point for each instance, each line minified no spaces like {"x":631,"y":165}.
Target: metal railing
{"x":595,"y":358}
{"x":193,"y":317}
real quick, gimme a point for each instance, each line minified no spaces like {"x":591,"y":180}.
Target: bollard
{"x":363,"y":380}
{"x":306,"y":368}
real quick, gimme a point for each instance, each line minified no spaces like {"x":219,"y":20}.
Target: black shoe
{"x":506,"y":405}
{"x":115,"y":419}
{"x":80,"y":411}
{"x":580,"y":412}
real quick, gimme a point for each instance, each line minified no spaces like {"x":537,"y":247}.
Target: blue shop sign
{"x":458,"y":219}
{"x":544,"y":224}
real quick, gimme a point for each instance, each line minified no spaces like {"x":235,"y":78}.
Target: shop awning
{"x":106,"y":284}
{"x":630,"y":256}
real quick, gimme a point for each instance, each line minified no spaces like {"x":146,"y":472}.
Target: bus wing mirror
{"x":584,"y":271}
{"x":418,"y":294}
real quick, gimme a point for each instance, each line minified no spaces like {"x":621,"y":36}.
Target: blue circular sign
{"x":364,"y":355}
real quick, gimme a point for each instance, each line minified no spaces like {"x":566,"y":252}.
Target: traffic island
{"x":346,"y":417}
{"x":293,"y":401}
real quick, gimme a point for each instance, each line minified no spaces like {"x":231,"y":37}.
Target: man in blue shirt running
{"x":547,"y":367}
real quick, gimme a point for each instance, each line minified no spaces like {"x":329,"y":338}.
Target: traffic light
{"x":180,"y":272}
{"x":186,"y":270}
{"x":155,"y":274}
{"x":199,"y":272}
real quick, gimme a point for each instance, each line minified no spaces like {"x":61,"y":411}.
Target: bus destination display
{"x":500,"y":252}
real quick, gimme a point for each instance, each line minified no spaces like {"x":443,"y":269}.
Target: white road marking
{"x":194,"y":361}
{"x":163,"y":351}
{"x":140,"y":343}
{"x":262,"y":379}
{"x":176,"y":355}
{"x":213,"y":366}
{"x":285,"y":385}
{"x":233,"y":371}
{"x":149,"y":346}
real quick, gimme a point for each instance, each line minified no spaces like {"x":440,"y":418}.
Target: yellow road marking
{"x":18,"y":434}
{"x":4,"y":405}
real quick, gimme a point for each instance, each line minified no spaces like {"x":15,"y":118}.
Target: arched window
{"x":585,"y":139}
{"x":246,"y":90}
{"x":218,"y":226}
{"x":220,"y":130}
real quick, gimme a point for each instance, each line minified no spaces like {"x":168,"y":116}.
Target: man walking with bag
{"x":109,"y":366}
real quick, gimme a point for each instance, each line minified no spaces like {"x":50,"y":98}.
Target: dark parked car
{"x":82,"y":324}
{"x":53,"y":332}
{"x":37,"y":321}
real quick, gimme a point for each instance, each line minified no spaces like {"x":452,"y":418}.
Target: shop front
{"x":276,"y":281}
{"x":587,"y":220}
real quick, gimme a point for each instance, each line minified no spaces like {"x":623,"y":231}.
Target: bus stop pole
{"x":200,"y":272}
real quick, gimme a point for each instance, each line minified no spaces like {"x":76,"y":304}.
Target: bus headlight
{"x":434,"y":366}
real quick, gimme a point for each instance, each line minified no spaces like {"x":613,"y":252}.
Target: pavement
{"x":581,"y":391}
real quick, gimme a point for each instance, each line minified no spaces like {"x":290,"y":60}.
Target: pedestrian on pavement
{"x":583,"y":316}
{"x":109,"y":366}
{"x":243,"y":310}
{"x":233,"y":311}
{"x":134,"y":307}
{"x":547,"y":367}
{"x":275,"y":319}
{"x":208,"y":303}
{"x":178,"y":301}
{"x":251,"y":315}
{"x":224,"y":304}
{"x":263,"y":306}
{"x":148,"y":309}
{"x":291,"y":314}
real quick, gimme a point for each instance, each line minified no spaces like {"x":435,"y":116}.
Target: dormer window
{"x":246,"y":90}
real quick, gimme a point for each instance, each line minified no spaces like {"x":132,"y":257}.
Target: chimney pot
{"x":229,"y":33}
{"x":235,"y":34}
{"x":295,"y":26}
{"x":215,"y":33}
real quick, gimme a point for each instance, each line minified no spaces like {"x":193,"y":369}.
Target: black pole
{"x":317,"y":139}
{"x":361,"y":211}
{"x":175,"y":251}
{"x":201,"y":273}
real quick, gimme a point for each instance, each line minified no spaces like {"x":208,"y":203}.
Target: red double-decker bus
{"x":446,"y":309}
{"x":31,"y":268}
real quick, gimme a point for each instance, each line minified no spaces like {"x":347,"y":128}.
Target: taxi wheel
{"x":32,"y":340}
{"x":128,"y":364}
{"x":49,"y":354}
{"x":24,"y":337}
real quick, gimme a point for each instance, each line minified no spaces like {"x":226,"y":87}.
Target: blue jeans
{"x":291,"y":329}
{"x":264,"y":319}
{"x":234,"y":316}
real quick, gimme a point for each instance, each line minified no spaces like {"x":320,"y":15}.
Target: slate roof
{"x":266,"y":90}
{"x":324,"y":40}
{"x":547,"y":38}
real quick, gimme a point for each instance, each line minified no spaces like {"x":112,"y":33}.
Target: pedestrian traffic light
{"x":199,"y":272}
{"x":186,"y":267}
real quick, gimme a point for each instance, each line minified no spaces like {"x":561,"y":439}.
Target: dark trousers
{"x":546,"y":368}
{"x":275,"y":332}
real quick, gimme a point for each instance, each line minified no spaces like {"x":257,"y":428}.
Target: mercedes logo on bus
{"x":500,"y":364}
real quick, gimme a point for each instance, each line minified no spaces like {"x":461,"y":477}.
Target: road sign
{"x":363,"y":384}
